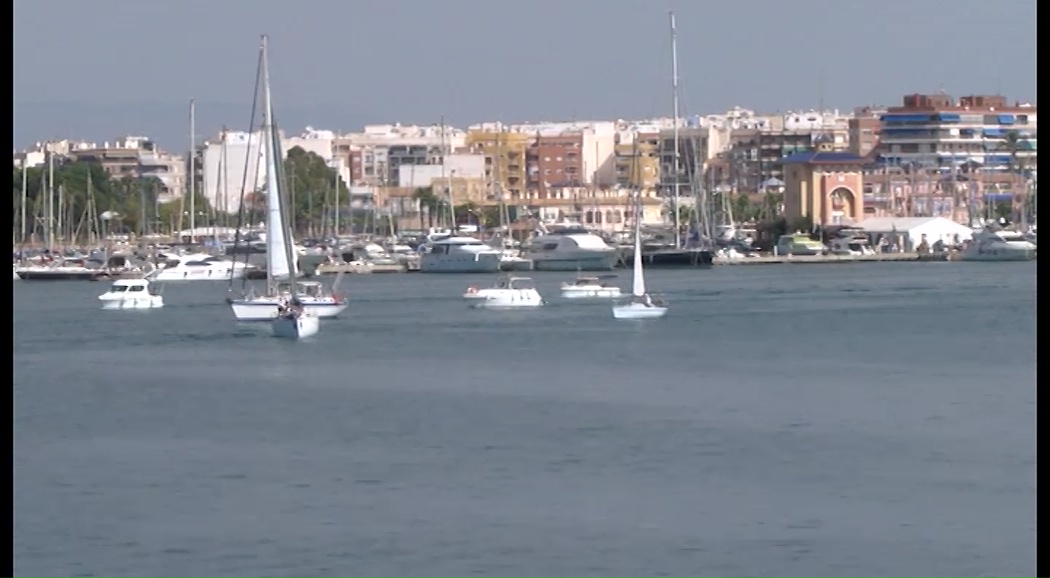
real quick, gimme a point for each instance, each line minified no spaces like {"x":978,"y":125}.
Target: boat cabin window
{"x":136,"y":288}
{"x":118,"y":288}
{"x":197,"y":264}
{"x":550,"y":246}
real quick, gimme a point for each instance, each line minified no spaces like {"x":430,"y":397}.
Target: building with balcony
{"x":135,"y":157}
{"x":864,"y":129}
{"x":637,"y":160}
{"x":375,"y":155}
{"x":935,"y":131}
{"x":505,"y":155}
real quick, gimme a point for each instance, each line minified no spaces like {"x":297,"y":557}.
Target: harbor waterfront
{"x":849,"y":420}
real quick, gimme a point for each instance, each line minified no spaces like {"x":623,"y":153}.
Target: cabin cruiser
{"x":131,"y":294}
{"x":197,"y":267}
{"x":799,"y":244}
{"x":459,"y":255}
{"x":571,"y":249}
{"x":853,"y":245}
{"x":507,"y":293}
{"x":1001,"y":245}
{"x":588,"y":287}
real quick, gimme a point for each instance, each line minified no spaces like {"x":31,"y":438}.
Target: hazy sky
{"x":99,"y":69}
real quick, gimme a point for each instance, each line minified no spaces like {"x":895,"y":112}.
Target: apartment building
{"x":933,"y":130}
{"x":864,"y":128}
{"x":637,"y":160}
{"x":135,"y":157}
{"x":375,"y":155}
{"x":505,"y":155}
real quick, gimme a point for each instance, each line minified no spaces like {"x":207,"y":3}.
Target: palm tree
{"x":427,"y":200}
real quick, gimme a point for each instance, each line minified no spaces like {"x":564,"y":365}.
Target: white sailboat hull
{"x":265,"y":308}
{"x":638,"y":311}
{"x":296,"y":327}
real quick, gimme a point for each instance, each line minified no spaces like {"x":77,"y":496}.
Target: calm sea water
{"x":869,"y":419}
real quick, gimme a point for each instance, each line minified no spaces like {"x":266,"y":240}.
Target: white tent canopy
{"x":911,"y":230}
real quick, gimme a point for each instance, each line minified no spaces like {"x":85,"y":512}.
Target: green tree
{"x":311,"y":184}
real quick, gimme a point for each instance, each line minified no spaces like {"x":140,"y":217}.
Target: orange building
{"x":827,"y":187}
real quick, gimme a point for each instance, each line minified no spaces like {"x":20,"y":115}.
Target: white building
{"x":454,"y":166}
{"x":223,"y":163}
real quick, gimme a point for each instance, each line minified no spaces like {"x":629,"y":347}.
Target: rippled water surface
{"x":869,"y":419}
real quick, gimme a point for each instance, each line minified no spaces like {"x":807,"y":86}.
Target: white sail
{"x":638,"y":288}
{"x":277,"y":258}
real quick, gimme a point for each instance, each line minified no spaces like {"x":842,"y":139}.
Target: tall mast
{"x":50,"y":198}
{"x":447,"y":182}
{"x":674,"y":104}
{"x":192,"y":175}
{"x":25,"y":198}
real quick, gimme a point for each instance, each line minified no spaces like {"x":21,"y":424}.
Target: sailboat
{"x":290,"y":316}
{"x":641,"y":305}
{"x":281,"y":264}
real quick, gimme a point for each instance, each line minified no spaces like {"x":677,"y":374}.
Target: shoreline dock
{"x":824,"y":259}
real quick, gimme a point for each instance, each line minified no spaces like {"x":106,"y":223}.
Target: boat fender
{"x":472,"y":289}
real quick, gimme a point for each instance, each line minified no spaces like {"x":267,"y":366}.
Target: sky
{"x":100,"y":69}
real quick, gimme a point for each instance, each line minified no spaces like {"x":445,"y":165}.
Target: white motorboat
{"x":507,"y":293}
{"x":641,"y":304}
{"x":850,"y":244}
{"x":459,"y":255}
{"x":571,"y":249}
{"x":312,"y":294}
{"x":197,"y":267}
{"x":584,"y":287}
{"x":293,"y":318}
{"x":1001,"y":245}
{"x":295,"y":323}
{"x":131,"y":294}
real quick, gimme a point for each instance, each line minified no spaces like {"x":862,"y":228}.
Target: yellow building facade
{"x":638,"y":165}
{"x":505,"y":154}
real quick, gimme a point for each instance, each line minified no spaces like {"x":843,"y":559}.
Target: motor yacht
{"x":583,"y":287}
{"x":507,"y":293}
{"x":459,"y":255}
{"x":571,"y":249}
{"x":999,"y":245}
{"x":198,"y":267}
